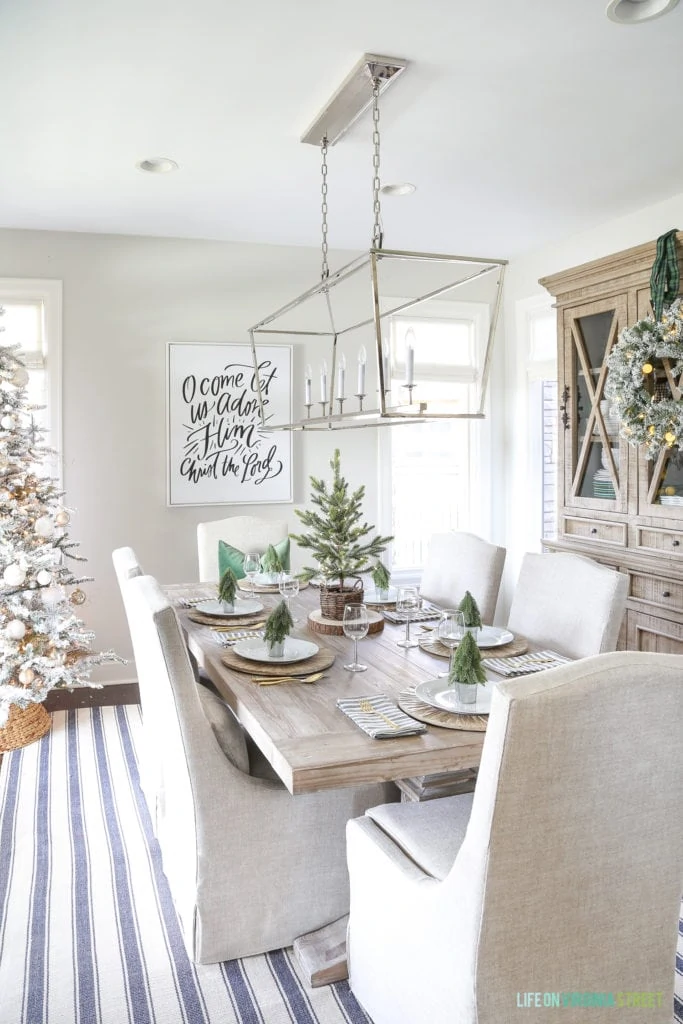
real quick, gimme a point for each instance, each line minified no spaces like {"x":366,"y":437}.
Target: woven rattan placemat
{"x":221,"y":623}
{"x":417,"y":709}
{"x":520,"y":645}
{"x":323,"y":659}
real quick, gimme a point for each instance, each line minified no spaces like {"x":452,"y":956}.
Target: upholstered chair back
{"x":457,"y":562}
{"x":247,"y":533}
{"x":569,"y":876}
{"x":568,"y":603}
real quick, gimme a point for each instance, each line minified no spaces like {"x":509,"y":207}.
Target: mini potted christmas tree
{"x":227,"y":589}
{"x":466,"y":671}
{"x":470,"y":610}
{"x":335,"y":540}
{"x":278,"y":625}
{"x":271,"y":564}
{"x":381,"y":578}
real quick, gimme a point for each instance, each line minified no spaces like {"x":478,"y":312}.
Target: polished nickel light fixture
{"x":378,"y":312}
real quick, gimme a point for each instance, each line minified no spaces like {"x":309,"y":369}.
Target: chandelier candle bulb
{"x":307,"y":386}
{"x":410,"y":365}
{"x":362,"y":359}
{"x":323,"y":382}
{"x":385,"y":365}
{"x":340,"y":378}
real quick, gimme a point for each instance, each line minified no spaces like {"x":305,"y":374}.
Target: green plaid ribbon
{"x":664,"y":280}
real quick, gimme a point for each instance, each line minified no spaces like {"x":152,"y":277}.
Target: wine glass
{"x":288,"y":585}
{"x":355,"y":626}
{"x":252,"y":564}
{"x":450,"y":631}
{"x":407,"y":602}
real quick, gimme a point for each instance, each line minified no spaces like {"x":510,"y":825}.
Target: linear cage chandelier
{"x":395,"y":336}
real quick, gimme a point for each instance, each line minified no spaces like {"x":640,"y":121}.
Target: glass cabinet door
{"x":595,"y":457}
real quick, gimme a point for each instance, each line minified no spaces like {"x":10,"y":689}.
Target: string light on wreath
{"x":649,"y":416}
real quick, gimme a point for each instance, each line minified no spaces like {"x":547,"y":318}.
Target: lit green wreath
{"x":647,"y":418}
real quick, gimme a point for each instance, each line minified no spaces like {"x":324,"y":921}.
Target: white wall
{"x":124,"y":299}
{"x":522,"y":283}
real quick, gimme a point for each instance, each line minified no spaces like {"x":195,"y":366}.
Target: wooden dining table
{"x":309,"y":742}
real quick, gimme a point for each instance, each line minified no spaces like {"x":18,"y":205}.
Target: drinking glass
{"x":450,"y":631}
{"x":355,"y":626}
{"x":407,"y":603}
{"x":288,"y":585}
{"x":252,"y":564}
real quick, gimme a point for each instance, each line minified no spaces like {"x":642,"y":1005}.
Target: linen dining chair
{"x":249,"y":866}
{"x":457,"y":562}
{"x":568,"y":603}
{"x":561,"y":873}
{"x":246,"y":533}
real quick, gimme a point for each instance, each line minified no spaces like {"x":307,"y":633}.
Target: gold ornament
{"x":669,"y":490}
{"x":647,"y":367}
{"x":77,"y":597}
{"x":669,"y":437}
{"x":651,"y":430}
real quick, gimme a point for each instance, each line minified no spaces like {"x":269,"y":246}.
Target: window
{"x":537,"y":327}
{"x":429,"y":473}
{"x":32,"y":319}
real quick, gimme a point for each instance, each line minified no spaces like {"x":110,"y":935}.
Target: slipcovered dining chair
{"x":247,"y":533}
{"x":457,"y":562}
{"x":561,"y":873}
{"x":568,"y":603}
{"x":249,"y":866}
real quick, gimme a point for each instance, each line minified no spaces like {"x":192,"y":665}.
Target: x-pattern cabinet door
{"x":595,"y":462}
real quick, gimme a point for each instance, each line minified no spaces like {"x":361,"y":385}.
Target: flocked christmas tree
{"x":336,"y":531}
{"x":43,"y":643}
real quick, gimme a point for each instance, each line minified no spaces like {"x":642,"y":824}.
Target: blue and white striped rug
{"x":88,"y":932}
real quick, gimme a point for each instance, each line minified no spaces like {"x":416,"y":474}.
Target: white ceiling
{"x":520,"y":122}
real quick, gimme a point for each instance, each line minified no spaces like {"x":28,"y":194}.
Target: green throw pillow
{"x":232,"y":558}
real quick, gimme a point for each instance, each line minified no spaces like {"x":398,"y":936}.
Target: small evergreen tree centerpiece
{"x":470,"y":610}
{"x":278,"y":625}
{"x":381,"y":578}
{"x":466,"y":671}
{"x":271,"y":564}
{"x":227,"y":589}
{"x":336,"y":540}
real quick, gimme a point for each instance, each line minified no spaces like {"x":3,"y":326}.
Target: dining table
{"x":309,"y":742}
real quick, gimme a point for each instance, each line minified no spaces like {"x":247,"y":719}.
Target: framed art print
{"x":219,"y":453}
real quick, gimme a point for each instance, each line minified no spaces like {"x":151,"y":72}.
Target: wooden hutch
{"x":614,"y":505}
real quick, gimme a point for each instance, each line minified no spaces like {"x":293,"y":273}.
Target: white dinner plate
{"x":445,"y":698}
{"x":265,"y":579}
{"x":494,"y":636}
{"x":254,"y":649}
{"x":241,"y":607}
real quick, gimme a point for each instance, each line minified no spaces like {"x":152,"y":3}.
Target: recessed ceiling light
{"x":632,"y":12}
{"x":157,"y":165}
{"x":401,"y":188}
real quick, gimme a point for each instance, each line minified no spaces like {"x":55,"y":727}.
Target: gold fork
{"x":366,"y":706}
{"x":269,"y":680}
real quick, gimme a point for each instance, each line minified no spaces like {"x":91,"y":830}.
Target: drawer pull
{"x":666,"y":593}
{"x":675,"y":543}
{"x":594,"y":529}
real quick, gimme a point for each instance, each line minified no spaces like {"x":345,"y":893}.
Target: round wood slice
{"x":418,"y":709}
{"x":520,"y":645}
{"x":226,"y":623}
{"x":323,"y":659}
{"x":335,"y":627}
{"x":263,"y":588}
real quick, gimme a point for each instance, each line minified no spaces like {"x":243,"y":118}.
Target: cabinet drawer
{"x":650,"y":633}
{"x":656,"y":590}
{"x":670,"y":541}
{"x":597,"y":530}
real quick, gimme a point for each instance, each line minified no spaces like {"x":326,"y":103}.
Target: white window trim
{"x":49,"y":293}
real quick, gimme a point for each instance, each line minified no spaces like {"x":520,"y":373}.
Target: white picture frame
{"x":218,"y":452}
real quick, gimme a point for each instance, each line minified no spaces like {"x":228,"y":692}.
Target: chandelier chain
{"x":325,"y":271}
{"x":377,"y":210}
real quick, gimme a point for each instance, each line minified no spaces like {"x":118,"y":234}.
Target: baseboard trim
{"x":92,"y":697}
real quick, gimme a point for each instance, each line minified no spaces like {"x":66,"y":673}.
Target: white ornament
{"x":44,"y":527}
{"x":51,"y":596}
{"x":62,"y":518}
{"x":44,"y":577}
{"x":14,"y":575}
{"x":26,"y":676}
{"x":20,"y":377}
{"x":7,"y":422}
{"x":15,"y":629}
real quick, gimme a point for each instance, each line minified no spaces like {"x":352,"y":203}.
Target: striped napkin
{"x":525,"y":664}
{"x":379,"y":717}
{"x":228,"y":639}
{"x":417,"y":616}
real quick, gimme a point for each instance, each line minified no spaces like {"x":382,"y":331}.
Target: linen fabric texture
{"x":569,"y":873}
{"x":230,"y":557}
{"x":457,"y":562}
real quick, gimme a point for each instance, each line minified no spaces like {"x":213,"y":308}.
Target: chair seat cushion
{"x":230,"y":557}
{"x":430,"y":833}
{"x":227,"y":729}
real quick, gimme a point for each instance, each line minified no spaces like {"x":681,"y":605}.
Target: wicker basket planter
{"x":24,"y":726}
{"x":334,"y":598}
